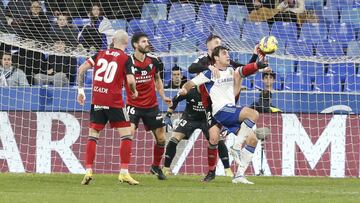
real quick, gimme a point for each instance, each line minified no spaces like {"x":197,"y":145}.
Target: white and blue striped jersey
{"x":221,"y":90}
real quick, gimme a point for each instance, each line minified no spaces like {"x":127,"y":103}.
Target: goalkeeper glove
{"x":167,"y":119}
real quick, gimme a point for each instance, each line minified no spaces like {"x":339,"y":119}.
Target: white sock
{"x":124,"y":171}
{"x":247,"y":154}
{"x":244,"y":132}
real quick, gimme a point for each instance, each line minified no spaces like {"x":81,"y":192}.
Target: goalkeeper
{"x":194,"y":117}
{"x":204,"y":63}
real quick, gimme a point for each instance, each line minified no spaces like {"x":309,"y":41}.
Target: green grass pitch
{"x":52,"y":188}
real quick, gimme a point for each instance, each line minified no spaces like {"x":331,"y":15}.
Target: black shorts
{"x":100,"y":115}
{"x":187,"y":127}
{"x":211,"y":121}
{"x":151,"y":117}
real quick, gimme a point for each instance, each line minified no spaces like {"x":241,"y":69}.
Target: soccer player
{"x":110,"y":68}
{"x":204,"y":63}
{"x":222,"y":91}
{"x":145,"y":106}
{"x":194,"y":117}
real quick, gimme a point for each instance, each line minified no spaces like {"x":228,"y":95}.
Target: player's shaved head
{"x":121,"y":37}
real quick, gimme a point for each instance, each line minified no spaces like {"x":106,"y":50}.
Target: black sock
{"x":170,"y":151}
{"x":223,"y":154}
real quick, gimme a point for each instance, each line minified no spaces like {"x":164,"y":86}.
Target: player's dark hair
{"x":216,"y":52}
{"x":5,"y":53}
{"x":273,"y":74}
{"x":211,"y":37}
{"x":136,"y":38}
{"x":176,"y":68}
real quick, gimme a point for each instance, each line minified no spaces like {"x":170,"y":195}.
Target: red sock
{"x":90,"y":152}
{"x":158,"y":153}
{"x":212,"y":158}
{"x":125,"y":152}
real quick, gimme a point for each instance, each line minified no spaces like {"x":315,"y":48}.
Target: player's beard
{"x":144,"y":50}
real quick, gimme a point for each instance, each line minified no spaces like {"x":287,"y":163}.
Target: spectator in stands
{"x":256,"y":4}
{"x":99,"y":32}
{"x":177,"y":79}
{"x":289,"y":10}
{"x":10,"y":75}
{"x":59,"y":68}
{"x":16,"y":9}
{"x":36,"y":25}
{"x":63,"y":31}
{"x":263,"y":105}
{"x":60,"y":7}
{"x":3,"y":19}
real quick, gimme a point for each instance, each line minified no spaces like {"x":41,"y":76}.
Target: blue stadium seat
{"x":129,"y":48}
{"x":342,"y":33}
{"x":351,"y":16}
{"x":183,"y":45}
{"x":80,"y":60}
{"x":295,"y":82}
{"x":228,"y":30}
{"x":237,"y":13}
{"x":329,"y":48}
{"x":248,"y":83}
{"x":184,"y":13}
{"x":284,"y":31}
{"x":234,"y":43}
{"x":118,"y":24}
{"x":311,"y":69}
{"x":331,"y":15}
{"x":196,"y":30}
{"x":184,"y":61}
{"x":169,"y":62}
{"x":340,"y":4}
{"x":353,"y":48}
{"x":281,"y":66}
{"x":352,"y":84}
{"x":299,"y":48}
{"x":281,"y":48}
{"x":314,"y":4}
{"x":169,"y":30}
{"x":255,"y":31}
{"x":243,"y":58}
{"x":342,"y":70}
{"x":356,"y":4}
{"x":211,"y":14}
{"x":159,"y":44}
{"x":325,"y":83}
{"x":89,"y":77}
{"x":313,"y":32}
{"x":80,"y":22}
{"x":145,"y":26}
{"x":154,"y":12}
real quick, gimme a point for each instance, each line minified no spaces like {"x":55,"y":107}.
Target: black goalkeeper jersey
{"x":194,"y":109}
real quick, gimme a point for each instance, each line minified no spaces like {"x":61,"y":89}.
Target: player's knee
{"x":160,"y":141}
{"x":214,"y":140}
{"x":248,"y":113}
{"x":94,"y":133}
{"x":252,"y":140}
{"x":178,"y":136}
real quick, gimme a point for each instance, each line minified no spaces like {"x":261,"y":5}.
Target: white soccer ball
{"x":268,"y":44}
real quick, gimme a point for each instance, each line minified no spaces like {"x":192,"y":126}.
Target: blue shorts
{"x":228,"y":116}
